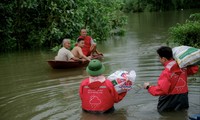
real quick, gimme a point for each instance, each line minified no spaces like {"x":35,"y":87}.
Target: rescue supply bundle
{"x":186,"y":55}
{"x":122,"y":80}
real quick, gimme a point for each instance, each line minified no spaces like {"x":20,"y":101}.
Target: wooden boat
{"x":55,"y":64}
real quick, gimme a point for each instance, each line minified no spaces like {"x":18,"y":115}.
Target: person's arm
{"x":92,"y":42}
{"x":93,"y":47}
{"x":162,"y":88}
{"x":120,"y":97}
{"x":77,"y":59}
{"x":70,"y":56}
{"x":82,"y":55}
{"x":75,"y":50}
{"x":117,"y":97}
{"x":192,"y":69}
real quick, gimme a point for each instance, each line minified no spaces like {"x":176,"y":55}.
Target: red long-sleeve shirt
{"x":173,"y":80}
{"x":98,"y":96}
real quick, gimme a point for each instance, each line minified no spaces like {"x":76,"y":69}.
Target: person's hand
{"x":99,"y":53}
{"x":90,"y":57}
{"x":146,"y":84}
{"x":83,"y":60}
{"x":89,"y":60}
{"x":73,"y":59}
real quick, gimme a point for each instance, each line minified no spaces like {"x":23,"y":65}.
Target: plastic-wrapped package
{"x":186,"y":55}
{"x":122,"y":80}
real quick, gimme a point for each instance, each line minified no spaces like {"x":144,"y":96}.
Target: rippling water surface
{"x":31,"y":90}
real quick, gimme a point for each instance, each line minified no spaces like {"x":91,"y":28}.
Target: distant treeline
{"x":159,"y":5}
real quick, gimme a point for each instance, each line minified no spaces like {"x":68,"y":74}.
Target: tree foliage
{"x":29,"y":24}
{"x":187,"y":33}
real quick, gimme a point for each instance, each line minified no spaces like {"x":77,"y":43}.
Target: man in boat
{"x":64,"y":54}
{"x":77,"y":50}
{"x":172,"y":84}
{"x":90,"y":46}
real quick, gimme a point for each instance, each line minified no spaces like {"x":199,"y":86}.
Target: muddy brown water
{"x":31,"y":90}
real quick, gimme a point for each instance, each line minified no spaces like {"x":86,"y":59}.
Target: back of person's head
{"x":64,"y":41}
{"x":166,"y":52}
{"x":95,"y":68}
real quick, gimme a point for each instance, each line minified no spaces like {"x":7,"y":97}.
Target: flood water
{"x":31,"y":90}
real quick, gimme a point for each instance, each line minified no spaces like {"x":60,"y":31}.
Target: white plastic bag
{"x":186,"y":55}
{"x":122,"y":80}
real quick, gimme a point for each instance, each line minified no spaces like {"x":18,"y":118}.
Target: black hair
{"x":79,"y":39}
{"x":166,"y":52}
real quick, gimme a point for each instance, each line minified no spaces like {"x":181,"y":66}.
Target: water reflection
{"x":119,"y":115}
{"x":178,"y":115}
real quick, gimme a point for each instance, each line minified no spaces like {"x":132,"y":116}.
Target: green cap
{"x":95,"y":68}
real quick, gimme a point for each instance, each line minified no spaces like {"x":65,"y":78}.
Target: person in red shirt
{"x":98,"y":94}
{"x":90,"y":46}
{"x":172,"y":84}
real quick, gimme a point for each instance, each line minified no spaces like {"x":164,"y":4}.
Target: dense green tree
{"x":29,"y":24}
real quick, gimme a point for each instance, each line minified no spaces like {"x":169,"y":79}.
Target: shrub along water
{"x":187,"y":33}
